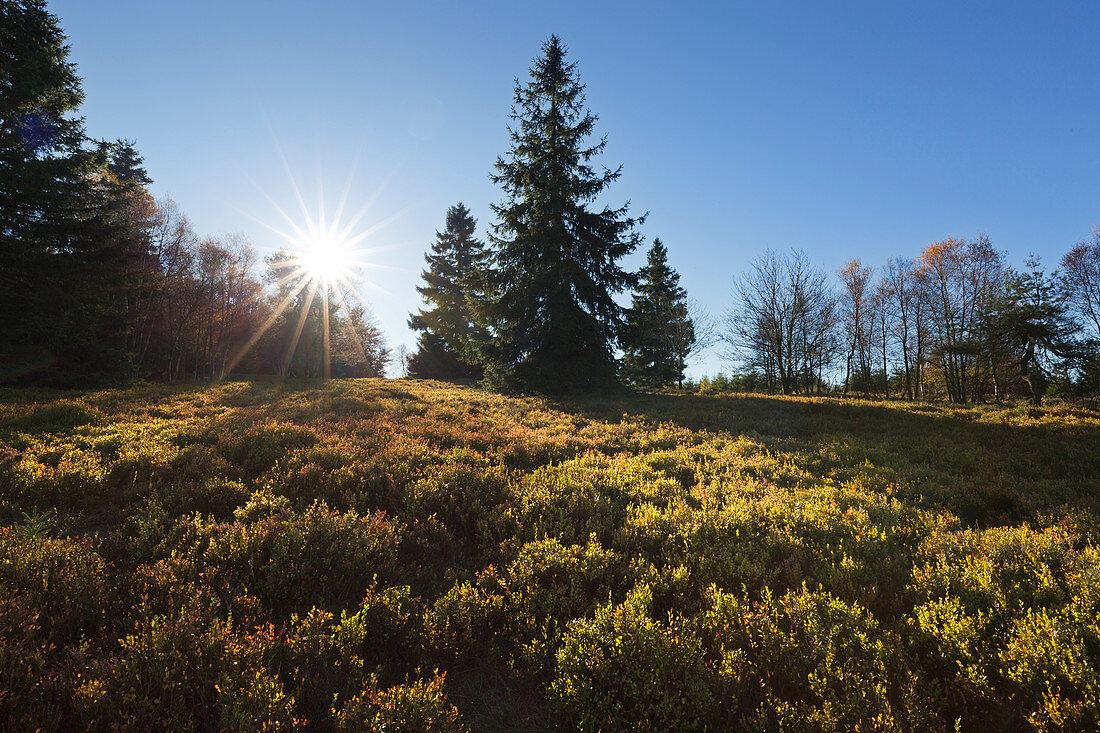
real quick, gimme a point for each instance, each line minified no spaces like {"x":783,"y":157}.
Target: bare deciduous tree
{"x":901,"y":292}
{"x":783,"y":322}
{"x":1081,"y":266}
{"x":858,"y":321}
{"x":402,"y":361}
{"x":689,"y":337}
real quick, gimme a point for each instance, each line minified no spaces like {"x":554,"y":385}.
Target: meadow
{"x":416,"y":556}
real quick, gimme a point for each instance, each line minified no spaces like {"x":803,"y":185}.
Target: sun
{"x":320,"y":264}
{"x":326,"y":258}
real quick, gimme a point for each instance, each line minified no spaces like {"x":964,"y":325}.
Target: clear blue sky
{"x":849,"y":130}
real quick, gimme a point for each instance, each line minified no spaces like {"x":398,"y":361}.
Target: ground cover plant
{"x":415,"y":556}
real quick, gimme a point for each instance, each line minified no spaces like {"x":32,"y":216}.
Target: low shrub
{"x":258,"y":448}
{"x":54,"y":595}
{"x":216,"y":496}
{"x":185,"y":672}
{"x":293,"y":561}
{"x":1054,"y":660}
{"x":517,"y":616}
{"x":622,"y":671}
{"x":59,"y":416}
{"x":804,"y":661}
{"x":414,"y":707}
{"x":326,"y":661}
{"x":588,"y":496}
{"x":59,"y":585}
{"x":245,"y":556}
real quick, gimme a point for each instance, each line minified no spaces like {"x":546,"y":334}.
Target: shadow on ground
{"x":989,"y":465}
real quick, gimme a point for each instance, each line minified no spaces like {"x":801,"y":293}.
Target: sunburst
{"x":323,"y":256}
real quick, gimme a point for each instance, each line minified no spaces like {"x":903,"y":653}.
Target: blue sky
{"x":846,"y":129}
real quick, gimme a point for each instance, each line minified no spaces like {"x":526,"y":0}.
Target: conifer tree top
{"x":556,"y":254}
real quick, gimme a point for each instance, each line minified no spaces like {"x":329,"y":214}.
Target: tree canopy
{"x":65,"y":235}
{"x":1029,"y":325}
{"x":448,"y":324}
{"x":555,"y":253}
{"x":659,"y":333}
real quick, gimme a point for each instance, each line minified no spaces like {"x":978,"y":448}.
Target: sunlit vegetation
{"x":413,"y":556}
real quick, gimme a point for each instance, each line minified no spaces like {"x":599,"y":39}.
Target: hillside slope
{"x":408,"y":555}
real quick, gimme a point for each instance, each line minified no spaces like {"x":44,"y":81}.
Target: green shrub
{"x":63,"y":477}
{"x":587,"y":496}
{"x":1055,"y":661}
{"x":149,"y":533}
{"x":319,"y":473}
{"x":185,"y":672}
{"x":197,"y":462}
{"x":293,"y":561}
{"x":805,"y":661}
{"x":1000,"y":570}
{"x":953,"y":649}
{"x":60,"y":416}
{"x":415,"y":707}
{"x":260,"y":447}
{"x":53,"y":594}
{"x":216,"y":496}
{"x":462,"y":495}
{"x":516,"y":617}
{"x":262,"y":504}
{"x":798,"y":563}
{"x":60,"y":585}
{"x":622,"y":671}
{"x":978,"y":592}
{"x":326,"y":662}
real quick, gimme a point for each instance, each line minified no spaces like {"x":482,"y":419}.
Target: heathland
{"x":406,"y":555}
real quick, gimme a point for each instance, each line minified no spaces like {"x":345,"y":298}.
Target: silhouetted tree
{"x":659,"y":333}
{"x":783,"y":322}
{"x":359,"y":348}
{"x":1029,"y":325}
{"x":127,"y":165}
{"x":164,"y":333}
{"x":553,"y":312}
{"x":63,"y":246}
{"x":453,"y":284}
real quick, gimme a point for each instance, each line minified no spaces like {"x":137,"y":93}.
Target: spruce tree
{"x":556,"y":271}
{"x":659,"y":333}
{"x":449,"y":330}
{"x":61,"y":265}
{"x":127,"y":165}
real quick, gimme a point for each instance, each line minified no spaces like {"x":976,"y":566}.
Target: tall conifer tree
{"x":449,"y":330}
{"x":556,"y":272}
{"x":62,"y":267}
{"x":659,"y":333}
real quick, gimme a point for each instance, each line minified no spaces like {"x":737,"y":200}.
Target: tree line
{"x":534,"y":308}
{"x":102,"y":279}
{"x":954,"y":322}
{"x":103,"y":282}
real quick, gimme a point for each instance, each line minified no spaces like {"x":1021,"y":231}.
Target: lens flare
{"x":321,"y":261}
{"x":327,"y":259}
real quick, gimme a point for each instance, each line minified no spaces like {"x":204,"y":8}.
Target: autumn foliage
{"x":375,"y":555}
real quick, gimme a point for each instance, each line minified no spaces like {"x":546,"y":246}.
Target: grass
{"x":406,"y":555}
